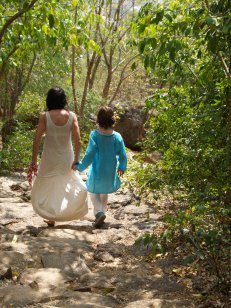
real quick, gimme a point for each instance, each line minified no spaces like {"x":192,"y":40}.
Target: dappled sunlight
{"x":50,"y":261}
{"x":158,"y":72}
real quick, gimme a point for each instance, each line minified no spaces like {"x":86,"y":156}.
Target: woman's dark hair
{"x":56,"y":98}
{"x":105,"y":117}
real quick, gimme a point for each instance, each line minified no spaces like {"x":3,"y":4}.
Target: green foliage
{"x":184,"y":47}
{"x":17,"y":150}
{"x":93,"y":102}
{"x":150,"y":240}
{"x":16,"y":153}
{"x":29,"y":107}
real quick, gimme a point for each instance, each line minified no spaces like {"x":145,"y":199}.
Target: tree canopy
{"x":182,"y":49}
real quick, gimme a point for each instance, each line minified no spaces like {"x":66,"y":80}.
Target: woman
{"x":58,"y":193}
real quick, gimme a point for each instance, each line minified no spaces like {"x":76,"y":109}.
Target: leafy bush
{"x":93,"y":102}
{"x":179,"y":43}
{"x":16,"y":153}
{"x":29,"y":107}
{"x":19,"y":133}
{"x":192,"y":135}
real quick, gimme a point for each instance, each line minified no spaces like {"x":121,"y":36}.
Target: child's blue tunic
{"x":104,"y":152}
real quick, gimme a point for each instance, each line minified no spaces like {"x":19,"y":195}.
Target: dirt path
{"x":75,"y":265}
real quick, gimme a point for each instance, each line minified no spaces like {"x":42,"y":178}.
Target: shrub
{"x":16,"y":152}
{"x":29,"y":107}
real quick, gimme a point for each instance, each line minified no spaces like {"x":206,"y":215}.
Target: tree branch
{"x":29,"y":72}
{"x":93,"y":73}
{"x":73,"y":56}
{"x":2,"y":69}
{"x":122,"y":77}
{"x":225,"y":66}
{"x":14,"y":17}
{"x":207,"y":4}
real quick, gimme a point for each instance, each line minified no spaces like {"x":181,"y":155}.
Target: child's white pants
{"x":99,"y":202}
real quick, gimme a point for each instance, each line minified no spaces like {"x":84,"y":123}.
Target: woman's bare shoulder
{"x":42,"y":114}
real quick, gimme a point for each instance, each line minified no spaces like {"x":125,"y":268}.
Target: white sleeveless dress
{"x":58,"y":193}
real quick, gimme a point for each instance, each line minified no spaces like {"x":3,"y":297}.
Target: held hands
{"x":120,"y":173}
{"x":32,"y":170}
{"x":74,"y":165}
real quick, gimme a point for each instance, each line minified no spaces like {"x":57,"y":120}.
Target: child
{"x":105,"y":150}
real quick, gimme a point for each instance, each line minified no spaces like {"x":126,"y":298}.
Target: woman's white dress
{"x":58,"y":193}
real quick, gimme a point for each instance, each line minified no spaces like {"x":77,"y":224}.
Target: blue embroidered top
{"x":105,"y":153}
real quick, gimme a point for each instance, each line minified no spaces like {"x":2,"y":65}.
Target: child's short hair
{"x":105,"y":117}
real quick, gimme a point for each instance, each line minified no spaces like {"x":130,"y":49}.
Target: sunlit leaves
{"x":74,"y":3}
{"x":159,"y":16}
{"x":73,"y":39}
{"x":92,"y":45}
{"x":190,"y":123}
{"x":168,"y":16}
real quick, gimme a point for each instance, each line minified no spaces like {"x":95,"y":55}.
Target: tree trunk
{"x":85,"y":91}
{"x":107,"y":85}
{"x":73,"y":79}
{"x":4,"y":63}
{"x":5,"y":111}
{"x":94,"y":70}
{"x":228,"y":99}
{"x":73,"y":69}
{"x":90,"y":64}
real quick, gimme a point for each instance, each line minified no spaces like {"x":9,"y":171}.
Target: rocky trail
{"x":75,"y":265}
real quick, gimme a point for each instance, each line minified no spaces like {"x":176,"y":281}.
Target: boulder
{"x":130,"y":122}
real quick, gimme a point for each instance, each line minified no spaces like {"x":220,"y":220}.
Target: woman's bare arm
{"x":77,"y":141}
{"x":38,"y":135}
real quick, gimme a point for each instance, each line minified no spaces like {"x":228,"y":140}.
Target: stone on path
{"x":45,"y":279}
{"x":100,"y":280}
{"x":71,"y":264}
{"x":70,"y":232}
{"x":119,"y":200}
{"x":103,"y":256}
{"x":138,"y":210}
{"x":16,"y":260}
{"x":21,"y":296}
{"x":160,"y":303}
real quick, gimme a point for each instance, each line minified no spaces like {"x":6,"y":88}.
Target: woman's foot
{"x":50,"y":223}
{"x":99,"y":219}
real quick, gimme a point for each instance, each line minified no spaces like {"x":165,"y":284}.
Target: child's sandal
{"x":99,"y":219}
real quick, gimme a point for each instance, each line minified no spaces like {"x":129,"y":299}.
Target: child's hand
{"x":120,"y":172}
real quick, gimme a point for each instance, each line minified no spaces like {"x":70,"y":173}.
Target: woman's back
{"x":57,"y":152}
{"x":59,"y":116}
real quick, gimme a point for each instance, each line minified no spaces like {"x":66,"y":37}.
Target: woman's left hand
{"x":32,"y":170}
